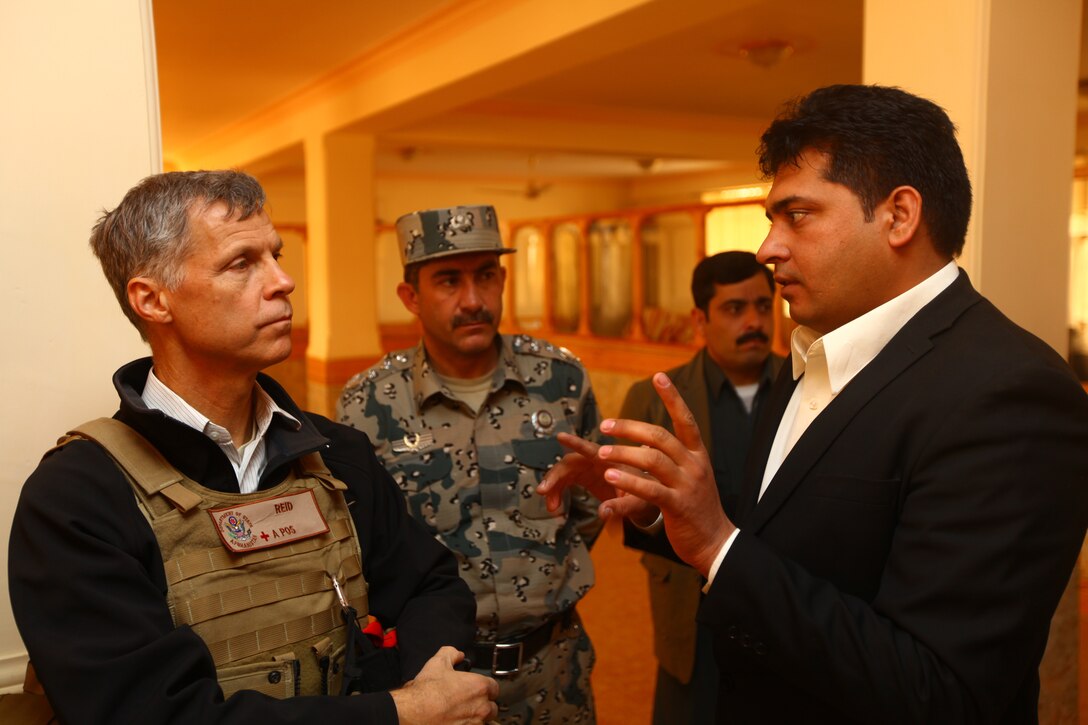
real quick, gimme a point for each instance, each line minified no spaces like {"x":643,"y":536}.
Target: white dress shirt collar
{"x":848,"y":349}
{"x":248,"y":457}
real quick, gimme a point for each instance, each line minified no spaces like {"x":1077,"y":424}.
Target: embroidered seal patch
{"x":269,"y":522}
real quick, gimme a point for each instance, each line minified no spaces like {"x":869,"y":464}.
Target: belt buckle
{"x":503,"y":646}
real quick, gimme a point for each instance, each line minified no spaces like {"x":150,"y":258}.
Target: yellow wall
{"x":1006,"y":72}
{"x":79,"y":128}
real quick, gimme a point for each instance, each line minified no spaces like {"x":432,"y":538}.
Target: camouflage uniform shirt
{"x":470,"y":476}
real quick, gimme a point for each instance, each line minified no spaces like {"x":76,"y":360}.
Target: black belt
{"x":505,"y":658}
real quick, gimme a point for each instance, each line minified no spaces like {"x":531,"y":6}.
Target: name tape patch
{"x":269,"y":522}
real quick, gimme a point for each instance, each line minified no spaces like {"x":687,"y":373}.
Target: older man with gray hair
{"x":212,"y":553}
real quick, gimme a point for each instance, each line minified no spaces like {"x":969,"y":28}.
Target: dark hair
{"x":724,"y":268}
{"x":878,"y":138}
{"x":148,"y":233}
{"x":411,"y":275}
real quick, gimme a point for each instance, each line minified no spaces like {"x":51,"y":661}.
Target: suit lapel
{"x":908,"y":345}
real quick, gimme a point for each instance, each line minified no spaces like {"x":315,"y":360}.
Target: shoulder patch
{"x":528,"y":345}
{"x":390,"y":363}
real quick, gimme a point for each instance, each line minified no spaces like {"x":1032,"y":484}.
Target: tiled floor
{"x":617,"y":616}
{"x":25,"y":710}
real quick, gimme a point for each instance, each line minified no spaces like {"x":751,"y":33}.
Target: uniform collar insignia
{"x":414,"y":442}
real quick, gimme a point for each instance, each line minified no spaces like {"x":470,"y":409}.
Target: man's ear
{"x":698,"y":322}
{"x":149,"y":300}
{"x":409,"y":297}
{"x":905,"y":206}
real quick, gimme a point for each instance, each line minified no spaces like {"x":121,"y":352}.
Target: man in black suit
{"x":917,"y":488}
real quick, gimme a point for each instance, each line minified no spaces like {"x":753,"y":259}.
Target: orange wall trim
{"x":337,"y":372}
{"x":300,"y":338}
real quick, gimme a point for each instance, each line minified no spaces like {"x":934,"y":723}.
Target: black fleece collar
{"x":193,"y":453}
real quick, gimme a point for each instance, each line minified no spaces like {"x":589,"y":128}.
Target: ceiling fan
{"x":530,"y":190}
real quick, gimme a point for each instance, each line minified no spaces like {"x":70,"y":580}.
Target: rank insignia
{"x":413,"y":442}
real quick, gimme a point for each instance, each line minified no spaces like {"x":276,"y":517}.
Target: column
{"x":344,"y":336}
{"x":1006,"y":72}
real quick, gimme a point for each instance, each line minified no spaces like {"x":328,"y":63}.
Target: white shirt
{"x":248,"y":459}
{"x":747,"y":395}
{"x":847,"y":350}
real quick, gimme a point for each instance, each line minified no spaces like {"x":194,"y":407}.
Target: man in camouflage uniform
{"x":466,"y":423}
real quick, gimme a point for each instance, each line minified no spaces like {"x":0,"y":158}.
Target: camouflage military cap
{"x":434,"y":233}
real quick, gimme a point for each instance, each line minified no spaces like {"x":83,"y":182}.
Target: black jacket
{"x":88,"y":589}
{"x":905,"y":560}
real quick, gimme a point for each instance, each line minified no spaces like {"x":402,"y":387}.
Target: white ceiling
{"x":222,"y":62}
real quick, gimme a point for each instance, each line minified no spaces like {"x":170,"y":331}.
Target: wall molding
{"x":12,"y":671}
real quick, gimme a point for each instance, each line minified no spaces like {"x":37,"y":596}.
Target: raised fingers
{"x":577,"y":445}
{"x":683,"y":421}
{"x":650,"y":437}
{"x":640,"y":487}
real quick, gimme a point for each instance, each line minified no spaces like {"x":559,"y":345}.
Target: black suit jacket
{"x":906,"y":559}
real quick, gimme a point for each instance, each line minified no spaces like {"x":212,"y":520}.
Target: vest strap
{"x":144,"y":464}
{"x":312,"y":466}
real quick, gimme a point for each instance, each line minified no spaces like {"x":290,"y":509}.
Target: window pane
{"x":742,"y":227}
{"x":610,"y":277}
{"x":668,"y":249}
{"x":529,"y":278}
{"x":391,"y":310}
{"x":566,"y":278}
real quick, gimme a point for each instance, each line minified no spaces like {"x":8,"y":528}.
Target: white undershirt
{"x":747,"y":395}
{"x":847,"y":349}
{"x":472,"y":391}
{"x":248,"y":459}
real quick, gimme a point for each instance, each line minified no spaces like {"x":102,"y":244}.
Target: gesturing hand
{"x":672,"y":472}
{"x":584,"y":467}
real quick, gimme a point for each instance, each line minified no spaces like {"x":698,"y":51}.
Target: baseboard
{"x":12,"y":671}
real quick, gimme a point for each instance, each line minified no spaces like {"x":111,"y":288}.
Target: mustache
{"x":473,"y":318}
{"x":751,"y":335}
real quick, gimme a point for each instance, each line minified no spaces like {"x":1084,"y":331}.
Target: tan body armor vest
{"x":252,"y":574}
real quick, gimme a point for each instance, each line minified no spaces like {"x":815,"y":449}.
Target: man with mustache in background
{"x":724,"y":385}
{"x":466,"y":423}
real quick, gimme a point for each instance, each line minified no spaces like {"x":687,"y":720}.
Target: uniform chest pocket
{"x":419,"y":469}
{"x":538,"y":453}
{"x":429,"y":489}
{"x":534,"y":456}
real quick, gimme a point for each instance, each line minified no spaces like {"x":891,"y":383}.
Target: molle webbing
{"x":277,"y":636}
{"x":202,"y":609}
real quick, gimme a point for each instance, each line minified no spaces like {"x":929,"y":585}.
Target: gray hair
{"x":147,"y":235}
